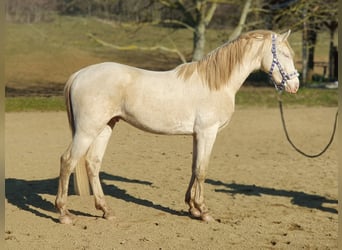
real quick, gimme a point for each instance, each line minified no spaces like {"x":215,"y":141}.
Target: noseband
{"x":275,"y":62}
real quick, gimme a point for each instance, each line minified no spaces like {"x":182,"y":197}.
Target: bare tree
{"x":29,"y":11}
{"x":119,"y":10}
{"x":311,"y":17}
{"x":197,"y":15}
{"x":237,"y":31}
{"x":141,"y":48}
{"x":194,"y":15}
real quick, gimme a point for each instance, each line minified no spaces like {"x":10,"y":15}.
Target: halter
{"x":285,"y":77}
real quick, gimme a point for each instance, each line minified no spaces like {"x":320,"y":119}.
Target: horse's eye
{"x":285,"y":54}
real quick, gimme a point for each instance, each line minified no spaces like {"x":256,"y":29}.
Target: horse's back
{"x":103,"y":72}
{"x":109,"y":75}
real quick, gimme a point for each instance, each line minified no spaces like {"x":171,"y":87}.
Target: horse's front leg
{"x":202,"y":146}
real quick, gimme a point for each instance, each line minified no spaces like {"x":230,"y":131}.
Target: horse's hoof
{"x":207,"y":217}
{"x":195,"y":212}
{"x":109,"y":216}
{"x":66,"y":219}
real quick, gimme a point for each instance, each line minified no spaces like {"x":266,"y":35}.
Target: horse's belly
{"x":160,"y":122}
{"x":162,"y":104}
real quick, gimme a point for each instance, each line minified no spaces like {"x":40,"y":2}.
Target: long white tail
{"x":81,"y":181}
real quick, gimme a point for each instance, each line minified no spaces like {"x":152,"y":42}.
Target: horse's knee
{"x":93,"y":164}
{"x":92,"y":160}
{"x":64,"y":158}
{"x":65,"y":164}
{"x":66,"y":155}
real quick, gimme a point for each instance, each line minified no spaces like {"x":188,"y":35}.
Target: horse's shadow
{"x":118,"y":193}
{"x":27,"y":195}
{"x":298,"y":198}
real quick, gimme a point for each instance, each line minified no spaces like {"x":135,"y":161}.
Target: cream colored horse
{"x":195,"y":99}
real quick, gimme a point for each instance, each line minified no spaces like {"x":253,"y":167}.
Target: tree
{"x":333,"y":70}
{"x":29,"y":11}
{"x":310,"y":17}
{"x":119,"y":10}
{"x":237,"y":31}
{"x":197,"y":15}
{"x":194,"y":15}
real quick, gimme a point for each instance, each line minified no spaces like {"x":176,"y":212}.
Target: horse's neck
{"x":251,"y":62}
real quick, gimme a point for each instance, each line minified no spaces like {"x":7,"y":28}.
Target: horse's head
{"x":278,"y":62}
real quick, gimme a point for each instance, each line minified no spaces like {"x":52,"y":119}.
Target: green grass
{"x":246,"y":97}
{"x":25,"y":104}
{"x":268,"y":97}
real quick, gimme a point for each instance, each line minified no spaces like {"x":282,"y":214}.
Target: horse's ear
{"x":285,"y":35}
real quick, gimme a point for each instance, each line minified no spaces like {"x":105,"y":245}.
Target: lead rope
{"x":290,"y":141}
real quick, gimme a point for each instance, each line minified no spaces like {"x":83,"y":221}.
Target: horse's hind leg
{"x":93,"y":163}
{"x":69,"y":160}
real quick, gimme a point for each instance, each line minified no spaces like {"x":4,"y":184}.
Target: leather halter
{"x":275,"y":62}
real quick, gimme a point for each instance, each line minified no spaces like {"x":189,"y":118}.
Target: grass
{"x":268,"y":97}
{"x":246,"y":97}
{"x":26,"y":104}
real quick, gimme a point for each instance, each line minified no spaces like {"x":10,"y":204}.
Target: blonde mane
{"x":215,"y":68}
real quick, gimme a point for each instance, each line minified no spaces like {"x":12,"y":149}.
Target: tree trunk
{"x":304,"y":48}
{"x":237,"y":31}
{"x":312,"y":38}
{"x":203,"y":16}
{"x":332,"y":51}
{"x":199,"y":42}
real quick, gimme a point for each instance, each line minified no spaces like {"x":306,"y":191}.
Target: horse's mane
{"x":216,"y":67}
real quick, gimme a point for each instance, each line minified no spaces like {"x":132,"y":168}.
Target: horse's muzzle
{"x":292,"y":85}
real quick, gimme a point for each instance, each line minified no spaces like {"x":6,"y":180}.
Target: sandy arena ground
{"x":262,"y":194}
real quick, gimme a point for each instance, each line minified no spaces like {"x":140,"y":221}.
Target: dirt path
{"x":262,"y":194}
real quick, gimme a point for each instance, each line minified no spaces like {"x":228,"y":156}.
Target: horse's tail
{"x":69,"y":104}
{"x":81,"y":182}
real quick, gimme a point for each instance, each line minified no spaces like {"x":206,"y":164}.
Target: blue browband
{"x":285,"y":77}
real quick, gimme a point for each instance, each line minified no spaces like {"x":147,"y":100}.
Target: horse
{"x":195,"y":98}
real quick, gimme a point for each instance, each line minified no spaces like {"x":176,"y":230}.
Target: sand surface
{"x":262,"y":194}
